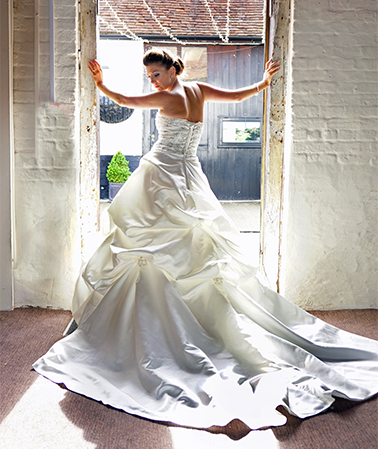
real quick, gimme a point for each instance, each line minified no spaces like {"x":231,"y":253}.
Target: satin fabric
{"x":174,"y":324}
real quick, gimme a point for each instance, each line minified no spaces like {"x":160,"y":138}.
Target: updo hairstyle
{"x":164,"y":58}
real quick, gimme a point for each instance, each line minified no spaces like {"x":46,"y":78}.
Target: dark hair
{"x":164,"y":58}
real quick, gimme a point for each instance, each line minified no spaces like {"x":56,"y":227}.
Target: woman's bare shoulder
{"x":193,"y":88}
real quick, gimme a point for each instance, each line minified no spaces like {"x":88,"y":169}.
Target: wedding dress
{"x":174,"y":324}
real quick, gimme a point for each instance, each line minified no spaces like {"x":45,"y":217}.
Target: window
{"x":240,"y":132}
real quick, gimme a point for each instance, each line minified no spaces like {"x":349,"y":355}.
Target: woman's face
{"x":161,"y":78}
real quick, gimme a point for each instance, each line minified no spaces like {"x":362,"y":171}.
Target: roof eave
{"x":199,"y":40}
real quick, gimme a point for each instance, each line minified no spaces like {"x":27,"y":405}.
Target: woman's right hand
{"x":96,"y":71}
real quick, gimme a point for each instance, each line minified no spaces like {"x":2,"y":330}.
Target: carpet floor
{"x":35,"y":413}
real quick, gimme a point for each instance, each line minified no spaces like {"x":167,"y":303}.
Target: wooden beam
{"x":89,"y":128}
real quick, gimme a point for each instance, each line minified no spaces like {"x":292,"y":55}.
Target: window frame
{"x":248,"y":144}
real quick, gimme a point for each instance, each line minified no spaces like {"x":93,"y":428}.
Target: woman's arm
{"x":211,"y":93}
{"x":155,"y":100}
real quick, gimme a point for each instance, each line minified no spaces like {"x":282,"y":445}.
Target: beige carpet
{"x":35,"y":413}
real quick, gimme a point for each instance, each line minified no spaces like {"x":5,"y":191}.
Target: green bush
{"x":118,"y":169}
{"x":247,"y":134}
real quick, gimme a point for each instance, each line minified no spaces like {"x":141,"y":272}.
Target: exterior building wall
{"x":330,"y":225}
{"x":46,"y":230}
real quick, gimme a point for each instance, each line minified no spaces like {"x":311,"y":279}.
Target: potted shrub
{"x":117,"y":174}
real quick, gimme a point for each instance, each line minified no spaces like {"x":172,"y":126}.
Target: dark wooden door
{"x":234,"y":171}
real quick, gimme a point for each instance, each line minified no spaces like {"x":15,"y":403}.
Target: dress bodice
{"x":177,"y":135}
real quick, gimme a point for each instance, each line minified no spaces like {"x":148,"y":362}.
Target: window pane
{"x":235,"y":131}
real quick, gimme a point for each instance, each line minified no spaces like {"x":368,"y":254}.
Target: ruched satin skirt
{"x":174,"y":324}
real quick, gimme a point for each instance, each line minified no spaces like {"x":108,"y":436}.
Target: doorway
{"x":230,"y":151}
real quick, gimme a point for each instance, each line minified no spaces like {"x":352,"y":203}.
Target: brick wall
{"x":47,"y":235}
{"x":331,"y":202}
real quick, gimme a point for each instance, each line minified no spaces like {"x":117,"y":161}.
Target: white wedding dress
{"x":175,"y":326}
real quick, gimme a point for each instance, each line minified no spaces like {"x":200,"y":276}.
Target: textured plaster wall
{"x":6,"y":278}
{"x":325,"y":252}
{"x":331,"y":227}
{"x":47,"y":232}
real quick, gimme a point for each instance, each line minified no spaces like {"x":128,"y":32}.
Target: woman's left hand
{"x":271,"y":68}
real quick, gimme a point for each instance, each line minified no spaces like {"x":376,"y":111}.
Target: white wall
{"x":123,"y":73}
{"x":6,"y":294}
{"x":47,"y":234}
{"x":330,"y":218}
{"x":331,"y":222}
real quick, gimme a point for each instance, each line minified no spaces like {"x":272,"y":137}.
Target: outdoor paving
{"x":245,"y":214}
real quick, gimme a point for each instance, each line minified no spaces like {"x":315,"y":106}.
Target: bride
{"x":173,"y":322}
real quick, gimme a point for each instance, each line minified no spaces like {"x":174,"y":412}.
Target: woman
{"x":174,"y":325}
{"x":173,"y":97}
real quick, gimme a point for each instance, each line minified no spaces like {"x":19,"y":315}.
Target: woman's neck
{"x":175,"y":83}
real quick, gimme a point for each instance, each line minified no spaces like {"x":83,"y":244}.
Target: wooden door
{"x":234,"y":170}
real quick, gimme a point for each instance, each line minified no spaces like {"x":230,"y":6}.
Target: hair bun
{"x":166,"y":58}
{"x":179,"y":65}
